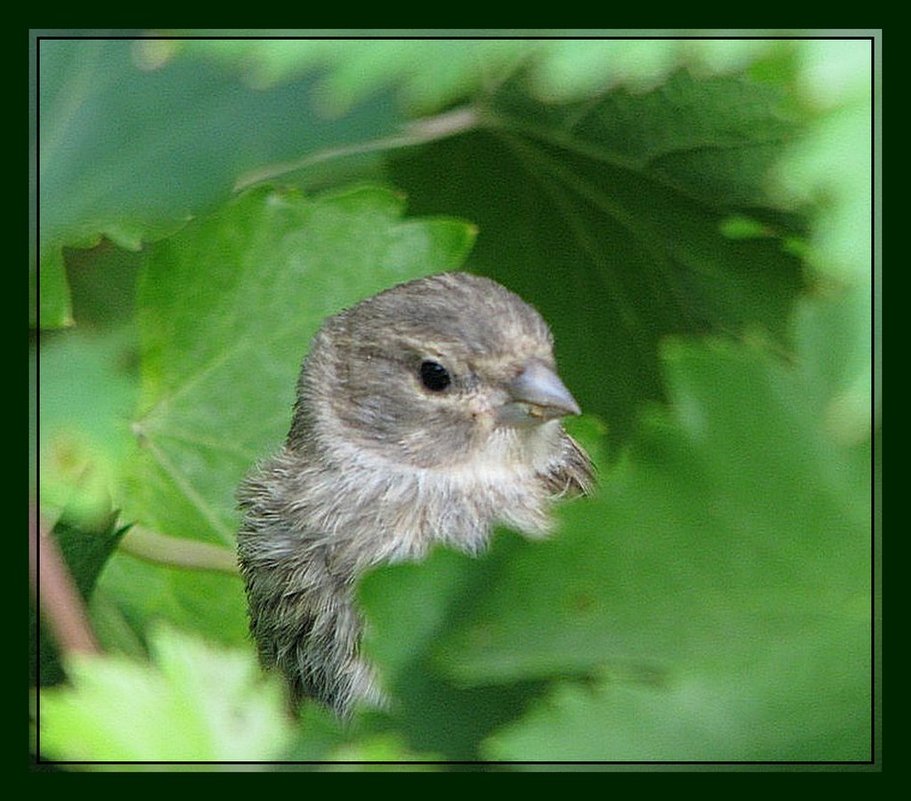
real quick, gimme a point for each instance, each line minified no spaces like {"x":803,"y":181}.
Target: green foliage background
{"x":694,"y":219}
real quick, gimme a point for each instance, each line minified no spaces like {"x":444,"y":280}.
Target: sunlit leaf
{"x":226,"y":311}
{"x":194,"y":703}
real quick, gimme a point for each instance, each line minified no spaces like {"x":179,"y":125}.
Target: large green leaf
{"x":226,"y":310}
{"x":126,"y":143}
{"x":135,"y":138}
{"x":608,"y":214}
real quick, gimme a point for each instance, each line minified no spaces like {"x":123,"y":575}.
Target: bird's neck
{"x":377,"y":510}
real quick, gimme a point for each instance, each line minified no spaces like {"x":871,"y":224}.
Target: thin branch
{"x":59,"y":602}
{"x":418,"y":132}
{"x":177,"y":551}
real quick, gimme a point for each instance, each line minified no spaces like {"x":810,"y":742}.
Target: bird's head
{"x":437,"y":372}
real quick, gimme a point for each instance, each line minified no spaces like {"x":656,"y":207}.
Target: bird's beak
{"x":536,"y":395}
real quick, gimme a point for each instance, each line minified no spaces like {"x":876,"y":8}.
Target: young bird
{"x":426,"y":414}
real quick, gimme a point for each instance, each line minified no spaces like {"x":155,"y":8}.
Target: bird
{"x":425,"y":415}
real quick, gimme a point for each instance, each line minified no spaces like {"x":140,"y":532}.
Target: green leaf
{"x":574,"y":69}
{"x":86,"y":552}
{"x":103,"y":284}
{"x":407,"y":608}
{"x":136,"y":137}
{"x":713,"y":139}
{"x":195,"y":703}
{"x":425,"y":74}
{"x":129,"y":142}
{"x":49,"y":305}
{"x":829,"y":171}
{"x":134,"y":594}
{"x":609,"y":215}
{"x":780,"y":707}
{"x":226,"y":310}
{"x":727,"y":563}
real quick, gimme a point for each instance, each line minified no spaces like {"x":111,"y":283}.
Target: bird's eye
{"x":434,"y":376}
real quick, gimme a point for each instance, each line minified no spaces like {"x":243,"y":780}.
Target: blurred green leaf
{"x":781,"y":707}
{"x":408,"y":607}
{"x":136,"y":137}
{"x":424,"y":75}
{"x":843,"y":220}
{"x":129,"y":142}
{"x":49,"y":304}
{"x":835,"y":338}
{"x":138,"y":594}
{"x":715,"y":594}
{"x":608,"y":215}
{"x":195,"y":703}
{"x":87,"y":392}
{"x":574,"y":69}
{"x":828,"y":172}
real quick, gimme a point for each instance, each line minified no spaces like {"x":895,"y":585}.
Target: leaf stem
{"x":59,"y":602}
{"x":177,"y":551}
